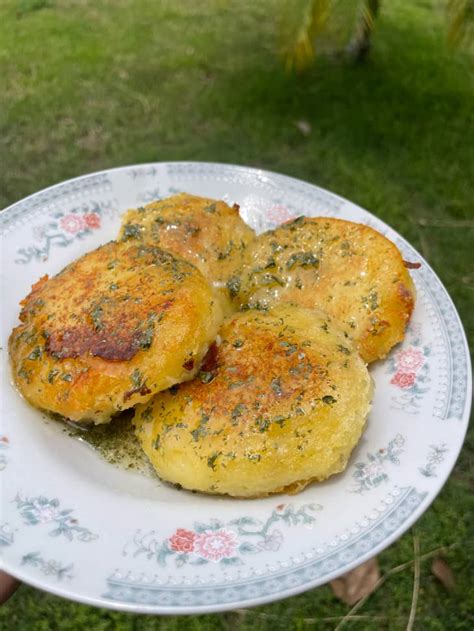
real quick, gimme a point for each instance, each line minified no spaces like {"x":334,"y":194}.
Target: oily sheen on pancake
{"x":206,"y":232}
{"x":350,"y":270}
{"x":279,"y":402}
{"x":113,"y":328}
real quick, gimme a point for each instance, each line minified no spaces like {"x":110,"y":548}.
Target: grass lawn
{"x":87,"y":85}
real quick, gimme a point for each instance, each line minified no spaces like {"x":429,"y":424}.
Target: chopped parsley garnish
{"x":206,"y":376}
{"x":136,"y":378}
{"x":328,"y":399}
{"x":224,"y":254}
{"x":146,"y":338}
{"x":262,"y":424}
{"x":271,"y":263}
{"x":191,"y":229}
{"x":237,"y":411}
{"x":131,"y":231}
{"x":201,"y":430}
{"x":52,"y":375}
{"x":290,"y":348}
{"x":271,"y":279}
{"x":233,"y":285}
{"x":371,"y":301}
{"x":276,"y":247}
{"x":146,"y":414}
{"x":276,"y":386}
{"x":343,"y":349}
{"x":304,"y":259}
{"x":36,"y":353}
{"x":24,"y":374}
{"x":211,"y":461}
{"x":96,"y":314}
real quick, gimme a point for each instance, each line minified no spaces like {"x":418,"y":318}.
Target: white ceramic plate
{"x":78,"y":527}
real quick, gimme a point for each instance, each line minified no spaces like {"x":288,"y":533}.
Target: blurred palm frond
{"x":360,"y":45}
{"x":302,"y":22}
{"x":461,"y":22}
{"x":309,"y":22}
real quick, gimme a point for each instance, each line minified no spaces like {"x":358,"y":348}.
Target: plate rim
{"x":426,"y":502}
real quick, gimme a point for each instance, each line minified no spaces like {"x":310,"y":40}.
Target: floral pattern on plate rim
{"x":4,"y":445}
{"x":62,"y":228}
{"x":369,"y":475}
{"x":41,"y":510}
{"x":6,"y":534}
{"x":219,"y":542}
{"x":436,"y":456}
{"x":49,"y":567}
{"x":410,"y":372}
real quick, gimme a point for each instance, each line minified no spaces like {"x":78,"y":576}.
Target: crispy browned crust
{"x":281,"y":401}
{"x":350,"y":270}
{"x":101,"y":334}
{"x":94,"y":314}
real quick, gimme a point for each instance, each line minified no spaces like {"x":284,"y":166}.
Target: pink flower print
{"x":72,"y":223}
{"x":280,"y":214}
{"x":403,"y":379}
{"x":215,"y":545}
{"x":183,"y":540}
{"x":409,"y":360}
{"x":92,"y":220}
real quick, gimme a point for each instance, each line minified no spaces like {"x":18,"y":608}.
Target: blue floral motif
{"x":220,"y":542}
{"x":65,"y":227}
{"x":435,"y":457}
{"x":6,"y":535}
{"x":151,"y":195}
{"x":49,"y":568}
{"x":41,"y":510}
{"x":370,"y":474}
{"x":4,"y":445}
{"x":142,"y":171}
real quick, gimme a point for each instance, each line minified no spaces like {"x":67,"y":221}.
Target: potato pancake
{"x":113,"y":328}
{"x":347,"y":269}
{"x":206,"y":232}
{"x":281,"y":401}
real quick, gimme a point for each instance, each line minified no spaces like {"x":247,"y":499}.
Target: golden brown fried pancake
{"x":205,"y":232}
{"x":112,"y":329}
{"x":347,"y":269}
{"x":280,"y":402}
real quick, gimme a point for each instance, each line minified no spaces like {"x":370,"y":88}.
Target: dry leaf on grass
{"x":304,"y":127}
{"x":357,"y":583}
{"x":443,"y":573}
